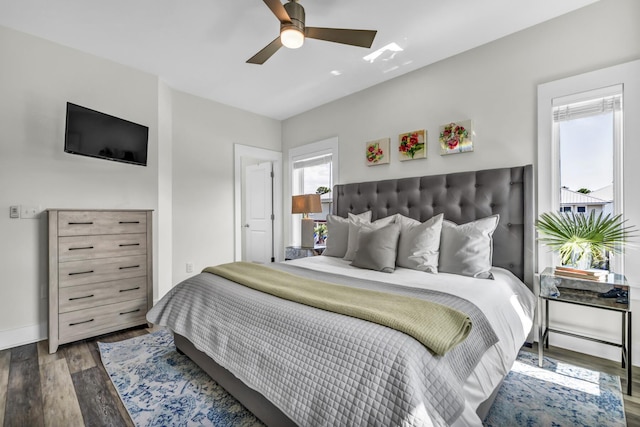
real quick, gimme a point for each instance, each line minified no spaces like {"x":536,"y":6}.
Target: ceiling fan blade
{"x":278,"y":9}
{"x":362,"y":38}
{"x":266,"y":52}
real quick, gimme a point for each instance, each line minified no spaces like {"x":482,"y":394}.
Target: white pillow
{"x":354,"y":225}
{"x":338,"y":234}
{"x":467,"y":249}
{"x":419,"y":244}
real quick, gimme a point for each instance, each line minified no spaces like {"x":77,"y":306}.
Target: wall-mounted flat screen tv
{"x":94,"y":134}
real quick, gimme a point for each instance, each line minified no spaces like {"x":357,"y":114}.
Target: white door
{"x":258,"y":209}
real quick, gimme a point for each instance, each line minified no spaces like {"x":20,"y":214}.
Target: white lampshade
{"x":292,"y":38}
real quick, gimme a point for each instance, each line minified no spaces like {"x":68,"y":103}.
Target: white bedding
{"x":507,"y":303}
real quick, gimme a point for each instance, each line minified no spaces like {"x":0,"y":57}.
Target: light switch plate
{"x":14,"y":211}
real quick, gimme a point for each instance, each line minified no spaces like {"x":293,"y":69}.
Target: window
{"x":586,"y":128}
{"x":312,"y":173}
{"x":314,"y":170}
{"x":585,"y":151}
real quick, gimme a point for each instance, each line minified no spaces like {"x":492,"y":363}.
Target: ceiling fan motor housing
{"x":296,"y":13}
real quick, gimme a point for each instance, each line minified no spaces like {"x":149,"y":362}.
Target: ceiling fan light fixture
{"x":292,"y":37}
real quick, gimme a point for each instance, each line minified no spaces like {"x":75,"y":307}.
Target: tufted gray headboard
{"x":462,"y":197}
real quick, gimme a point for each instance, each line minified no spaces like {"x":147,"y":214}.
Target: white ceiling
{"x":200,"y":46}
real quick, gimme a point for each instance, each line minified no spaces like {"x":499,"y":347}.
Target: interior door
{"x":258,"y":210}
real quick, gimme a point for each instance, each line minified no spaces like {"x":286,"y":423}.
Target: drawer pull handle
{"x":77,"y":249}
{"x":129,"y":222}
{"x":80,"y":323}
{"x":130,"y":289}
{"x":81,"y":272}
{"x":129,"y":312}
{"x":129,"y":244}
{"x":75,"y":298}
{"x":81,"y":223}
{"x":129,"y":266}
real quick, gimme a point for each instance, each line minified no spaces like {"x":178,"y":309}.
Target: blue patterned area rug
{"x":160,"y":387}
{"x":558,"y":394}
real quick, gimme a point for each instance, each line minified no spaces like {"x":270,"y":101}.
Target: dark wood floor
{"x":71,"y":388}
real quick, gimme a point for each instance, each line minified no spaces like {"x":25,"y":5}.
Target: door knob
{"x":246,"y":226}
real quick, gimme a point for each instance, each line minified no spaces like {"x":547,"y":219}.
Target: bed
{"x":292,"y":364}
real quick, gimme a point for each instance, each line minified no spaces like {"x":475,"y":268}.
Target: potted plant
{"x":583,"y":240}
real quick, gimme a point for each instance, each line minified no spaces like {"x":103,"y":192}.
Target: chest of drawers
{"x":100,"y":272}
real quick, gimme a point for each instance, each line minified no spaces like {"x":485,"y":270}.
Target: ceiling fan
{"x":293,"y":31}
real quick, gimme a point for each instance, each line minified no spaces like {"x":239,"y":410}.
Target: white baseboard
{"x":21,"y":336}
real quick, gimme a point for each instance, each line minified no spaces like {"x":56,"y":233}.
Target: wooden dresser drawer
{"x":83,"y":223}
{"x":96,"y":294}
{"x":75,"y":273}
{"x":74,"y":248}
{"x":80,"y":324}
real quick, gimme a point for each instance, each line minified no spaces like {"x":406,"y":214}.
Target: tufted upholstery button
{"x":511,"y":265}
{"x":493,"y":205}
{"x":511,"y":183}
{"x":508,"y":224}
{"x":477,"y":185}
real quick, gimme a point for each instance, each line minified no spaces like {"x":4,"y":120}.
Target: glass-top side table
{"x":586,"y":293}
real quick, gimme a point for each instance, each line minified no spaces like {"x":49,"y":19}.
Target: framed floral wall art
{"x":456,"y":137}
{"x":377,"y":152}
{"x":412,"y":145}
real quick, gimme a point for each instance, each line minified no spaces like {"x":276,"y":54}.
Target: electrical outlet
{"x":189,"y":267}
{"x":29,"y":212}
{"x":14,"y":211}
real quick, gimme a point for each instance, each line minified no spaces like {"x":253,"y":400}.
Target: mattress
{"x":308,"y":370}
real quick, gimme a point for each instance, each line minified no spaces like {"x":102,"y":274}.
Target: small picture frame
{"x":412,"y":145}
{"x":377,"y":152}
{"x":456,"y":137}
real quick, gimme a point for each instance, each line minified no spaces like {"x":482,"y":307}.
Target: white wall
{"x":203,"y":183}
{"x":188,"y":181}
{"x":495,"y":85}
{"x":37,"y":78}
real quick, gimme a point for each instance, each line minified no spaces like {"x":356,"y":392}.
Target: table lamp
{"x":306,"y":204}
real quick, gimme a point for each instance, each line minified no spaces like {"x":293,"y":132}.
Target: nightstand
{"x":295,"y":252}
{"x":585,"y":293}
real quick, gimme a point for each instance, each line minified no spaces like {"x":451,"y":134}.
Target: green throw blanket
{"x":437,"y":327}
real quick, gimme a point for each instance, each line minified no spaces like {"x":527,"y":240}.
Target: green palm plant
{"x":575,"y":236}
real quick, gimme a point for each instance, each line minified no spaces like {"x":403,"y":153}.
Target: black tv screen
{"x":94,"y":134}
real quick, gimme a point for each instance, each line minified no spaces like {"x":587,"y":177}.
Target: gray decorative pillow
{"x":338,"y":234}
{"x":355,"y":224}
{"x":419,"y":244}
{"x":377,"y":248}
{"x":467,"y":249}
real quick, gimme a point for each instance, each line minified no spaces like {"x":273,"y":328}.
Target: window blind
{"x":313,"y":161}
{"x":588,"y":108}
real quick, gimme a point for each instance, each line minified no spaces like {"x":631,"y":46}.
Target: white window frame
{"x":318,"y":148}
{"x":548,"y":174}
